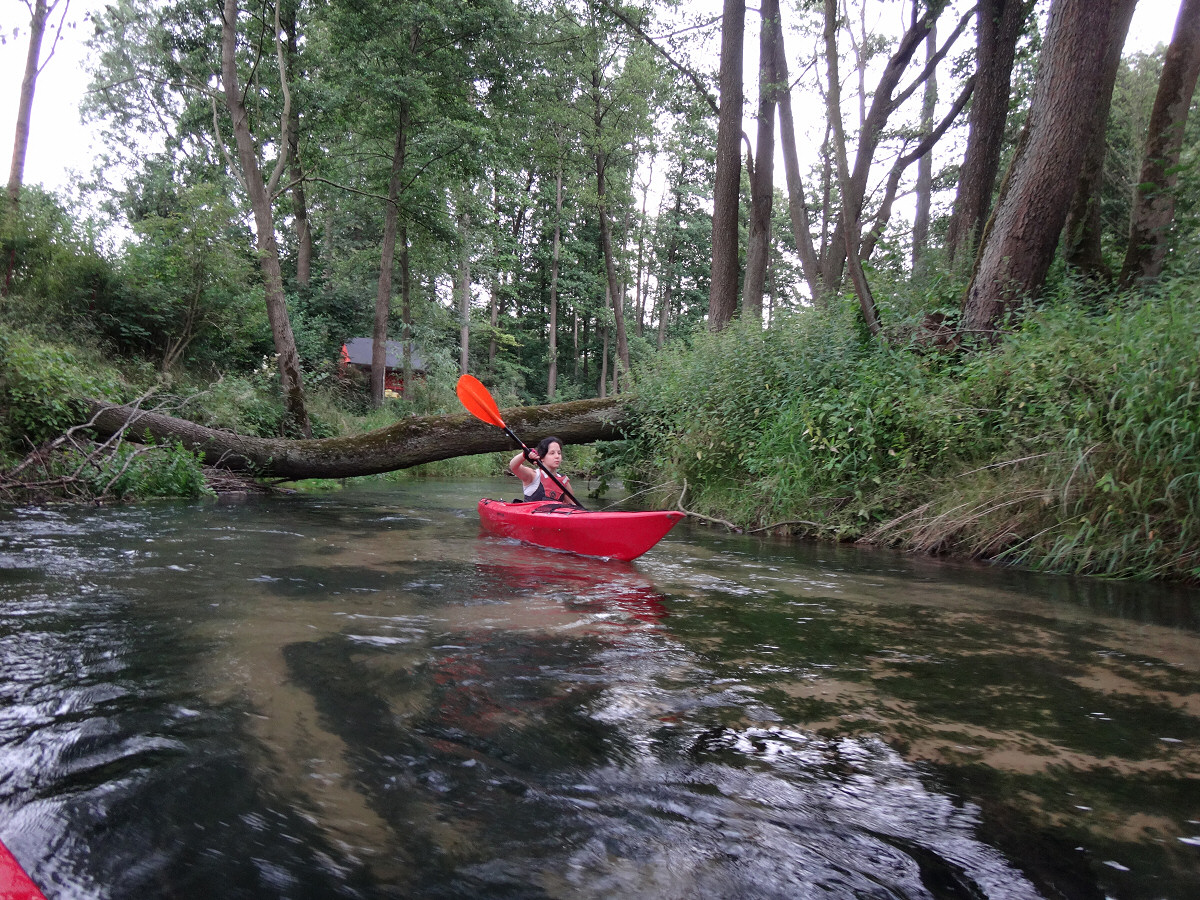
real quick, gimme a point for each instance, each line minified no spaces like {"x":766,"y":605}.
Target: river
{"x":356,"y":694}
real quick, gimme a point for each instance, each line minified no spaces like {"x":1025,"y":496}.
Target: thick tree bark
{"x":723,"y":292}
{"x":408,"y":443}
{"x":264,"y":223}
{"x":1081,"y":236}
{"x":1020,"y":241}
{"x":1155,"y":206}
{"x":998,"y":26}
{"x":758,"y":249}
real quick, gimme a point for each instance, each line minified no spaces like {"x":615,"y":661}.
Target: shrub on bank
{"x":1074,"y":446}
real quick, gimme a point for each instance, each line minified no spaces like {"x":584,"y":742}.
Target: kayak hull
{"x":15,"y":884}
{"x":612,"y":535}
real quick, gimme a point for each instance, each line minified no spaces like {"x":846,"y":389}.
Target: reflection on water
{"x":359,"y":695}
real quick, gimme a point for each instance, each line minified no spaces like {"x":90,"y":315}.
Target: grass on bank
{"x":1072,"y":447}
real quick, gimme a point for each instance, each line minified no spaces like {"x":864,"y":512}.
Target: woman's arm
{"x":517,"y":467}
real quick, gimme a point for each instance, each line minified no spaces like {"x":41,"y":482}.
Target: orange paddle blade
{"x":479,"y":403}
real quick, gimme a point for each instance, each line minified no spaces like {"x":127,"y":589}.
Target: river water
{"x":358,"y":695}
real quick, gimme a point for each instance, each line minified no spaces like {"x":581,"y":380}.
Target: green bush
{"x":141,"y":473}
{"x":1073,"y":446}
{"x":41,"y":387}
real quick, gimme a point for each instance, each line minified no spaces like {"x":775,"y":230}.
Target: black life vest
{"x":544,"y":489}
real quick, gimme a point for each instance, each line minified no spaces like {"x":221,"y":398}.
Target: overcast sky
{"x":60,"y":144}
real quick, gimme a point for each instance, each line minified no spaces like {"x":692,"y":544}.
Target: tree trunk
{"x":16,"y":174}
{"x":405,"y":308}
{"x":299,"y":200}
{"x":664,"y":311}
{"x":575,"y":342}
{"x":639,"y":288}
{"x":464,"y":293}
{"x":920,"y":235}
{"x":851,"y":226}
{"x":387,"y":258}
{"x":797,"y":207}
{"x":408,"y":443}
{"x":884,"y":102}
{"x":998,"y":26}
{"x":1155,"y":204}
{"x":264,"y":224}
{"x":610,"y":269}
{"x":494,"y":300}
{"x":1081,"y":236}
{"x":552,"y":376}
{"x":758,"y":249}
{"x":723,"y":293}
{"x":1020,"y":241}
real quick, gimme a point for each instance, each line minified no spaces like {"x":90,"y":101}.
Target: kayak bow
{"x":560,"y":526}
{"x":15,"y":884}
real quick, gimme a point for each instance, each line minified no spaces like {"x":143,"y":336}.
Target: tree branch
{"x":696,"y":80}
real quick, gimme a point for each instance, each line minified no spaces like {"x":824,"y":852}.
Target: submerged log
{"x":407,"y":443}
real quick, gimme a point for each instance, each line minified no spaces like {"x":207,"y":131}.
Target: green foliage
{"x":1074,"y":446}
{"x":188,"y":290}
{"x":142,"y":473}
{"x":59,"y":271}
{"x":41,"y":391}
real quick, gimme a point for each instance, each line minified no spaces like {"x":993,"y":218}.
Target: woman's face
{"x":553,"y":457}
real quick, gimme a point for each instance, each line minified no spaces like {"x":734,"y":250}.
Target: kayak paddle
{"x":480,"y":403}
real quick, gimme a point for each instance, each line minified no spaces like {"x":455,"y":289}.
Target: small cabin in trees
{"x":356,"y":357}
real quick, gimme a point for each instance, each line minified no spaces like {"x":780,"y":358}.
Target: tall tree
{"x":850,"y":222}
{"x":387,"y":255}
{"x":304,"y":244}
{"x":920,"y":236}
{"x":1019,"y":245}
{"x":723,"y":293}
{"x":552,"y":372}
{"x":1081,"y":237}
{"x":259,"y":191}
{"x":888,"y":96}
{"x":762,"y":176}
{"x":797,"y":206}
{"x":463,"y":292}
{"x":999,"y":24}
{"x":1155,"y":205}
{"x":39,"y":14}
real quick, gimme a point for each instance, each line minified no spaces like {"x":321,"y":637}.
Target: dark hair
{"x":544,"y":445}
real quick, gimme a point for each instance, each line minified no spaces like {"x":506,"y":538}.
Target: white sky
{"x":60,"y":145}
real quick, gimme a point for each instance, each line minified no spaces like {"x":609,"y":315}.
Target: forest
{"x":921,"y":273}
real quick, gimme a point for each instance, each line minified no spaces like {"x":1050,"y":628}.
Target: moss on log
{"x":408,"y":443}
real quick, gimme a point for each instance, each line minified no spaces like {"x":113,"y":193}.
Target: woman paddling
{"x":536,"y":485}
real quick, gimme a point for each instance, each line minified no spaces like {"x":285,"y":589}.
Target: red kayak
{"x":14,"y":883}
{"x":560,"y":526}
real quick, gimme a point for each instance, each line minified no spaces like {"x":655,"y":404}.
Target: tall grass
{"x":1074,"y":446}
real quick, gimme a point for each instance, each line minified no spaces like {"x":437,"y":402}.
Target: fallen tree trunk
{"x":408,"y":443}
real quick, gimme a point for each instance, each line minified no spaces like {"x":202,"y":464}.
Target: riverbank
{"x":1073,"y":446}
